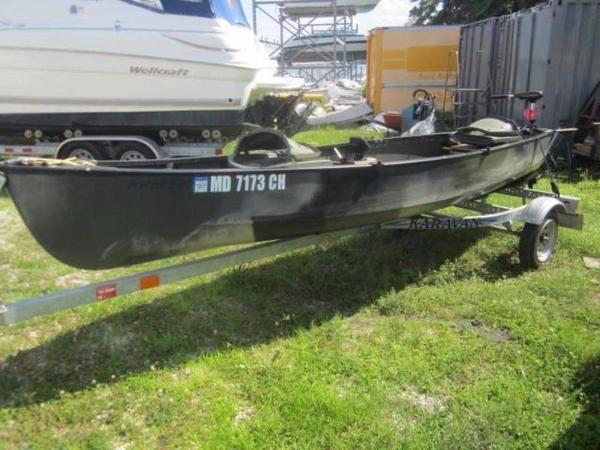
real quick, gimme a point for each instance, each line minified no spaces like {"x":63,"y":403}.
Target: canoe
{"x":113,"y":214}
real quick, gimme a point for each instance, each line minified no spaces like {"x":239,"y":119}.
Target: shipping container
{"x":402,"y":59}
{"x":553,"y":48}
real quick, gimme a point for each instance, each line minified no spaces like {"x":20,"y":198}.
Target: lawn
{"x":391,"y":340}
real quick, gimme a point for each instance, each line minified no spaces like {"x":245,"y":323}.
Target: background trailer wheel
{"x":538,"y":242}
{"x":134,"y":151}
{"x":82,"y":150}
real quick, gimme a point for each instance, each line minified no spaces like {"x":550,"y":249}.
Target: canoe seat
{"x":267,"y":148}
{"x":459,"y":148}
{"x":488,"y":132}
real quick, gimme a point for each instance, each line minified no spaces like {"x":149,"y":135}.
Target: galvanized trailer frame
{"x":56,"y":149}
{"x":501,"y":217}
{"x":538,"y":209}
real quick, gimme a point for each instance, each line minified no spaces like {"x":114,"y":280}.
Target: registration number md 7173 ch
{"x":239,"y":183}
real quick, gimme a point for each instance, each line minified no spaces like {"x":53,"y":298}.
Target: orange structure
{"x":402,"y":59}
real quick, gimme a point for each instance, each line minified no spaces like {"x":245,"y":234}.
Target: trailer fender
{"x":536,"y":212}
{"x":2,"y":181}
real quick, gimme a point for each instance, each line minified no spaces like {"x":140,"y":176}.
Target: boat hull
{"x":320,"y":48}
{"x":76,"y":80}
{"x":103,"y":217}
{"x":309,"y":9}
{"x":100,"y":67}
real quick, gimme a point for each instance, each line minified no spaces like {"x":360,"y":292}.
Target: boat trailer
{"x":541,"y":212}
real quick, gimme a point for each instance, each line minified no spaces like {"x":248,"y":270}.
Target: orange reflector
{"x":149,"y":282}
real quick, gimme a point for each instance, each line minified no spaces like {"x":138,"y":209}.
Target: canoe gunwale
{"x":9,"y":166}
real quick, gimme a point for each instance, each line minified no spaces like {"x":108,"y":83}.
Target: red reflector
{"x":9,"y":150}
{"x":530,"y":113}
{"x":27,"y":150}
{"x":149,"y":282}
{"x":106,"y":292}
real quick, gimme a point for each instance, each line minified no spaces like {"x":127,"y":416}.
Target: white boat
{"x":320,"y":46}
{"x":109,"y":65}
{"x":297,"y":8}
{"x":345,"y":115}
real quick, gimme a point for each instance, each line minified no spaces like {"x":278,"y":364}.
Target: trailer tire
{"x":133,"y":151}
{"x":82,"y":150}
{"x":538,"y":242}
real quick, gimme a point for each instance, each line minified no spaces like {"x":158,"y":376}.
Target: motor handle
{"x":501,"y":96}
{"x":531,"y":97}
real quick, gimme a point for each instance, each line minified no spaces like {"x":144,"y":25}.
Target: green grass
{"x":392,"y":340}
{"x":329,"y":135}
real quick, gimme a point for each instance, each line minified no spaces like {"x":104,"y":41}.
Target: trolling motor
{"x":531,"y":110}
{"x":490,"y":131}
{"x":530,"y":114}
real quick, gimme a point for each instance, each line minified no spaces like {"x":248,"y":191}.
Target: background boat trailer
{"x":139,"y":147}
{"x":541,"y":212}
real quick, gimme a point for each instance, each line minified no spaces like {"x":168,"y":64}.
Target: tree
{"x":452,"y":12}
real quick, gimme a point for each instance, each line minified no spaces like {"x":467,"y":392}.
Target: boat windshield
{"x":230,"y":10}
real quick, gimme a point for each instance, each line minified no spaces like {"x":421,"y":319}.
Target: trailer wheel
{"x":134,"y":151}
{"x":538,"y":242}
{"x":82,"y":150}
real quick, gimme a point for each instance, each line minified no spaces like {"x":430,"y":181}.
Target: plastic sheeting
{"x":422,"y":128}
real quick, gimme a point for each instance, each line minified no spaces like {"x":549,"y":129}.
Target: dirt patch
{"x":483,"y":330}
{"x":243,"y":414}
{"x":361,"y":326}
{"x":591,"y":263}
{"x":403,"y":423}
{"x":595,"y":300}
{"x":429,"y":404}
{"x":8,"y":271}
{"x":72,"y":280}
{"x":8,"y":220}
{"x":118,"y":339}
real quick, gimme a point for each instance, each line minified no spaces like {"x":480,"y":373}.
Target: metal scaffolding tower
{"x":306,"y":24}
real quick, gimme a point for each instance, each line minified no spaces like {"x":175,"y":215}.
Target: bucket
{"x":393,"y":120}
